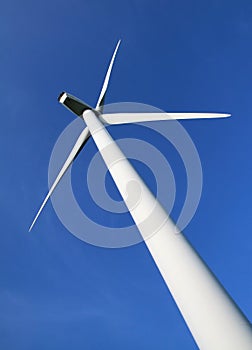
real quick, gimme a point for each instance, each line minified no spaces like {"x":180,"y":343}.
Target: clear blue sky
{"x":55,"y":290}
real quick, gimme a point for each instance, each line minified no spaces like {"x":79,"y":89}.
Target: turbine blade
{"x":124,"y":118}
{"x":101,"y":98}
{"x":75,"y":150}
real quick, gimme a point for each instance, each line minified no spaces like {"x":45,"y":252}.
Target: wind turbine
{"x":213,"y":318}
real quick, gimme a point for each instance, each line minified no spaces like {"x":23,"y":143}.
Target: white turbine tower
{"x":213,"y":318}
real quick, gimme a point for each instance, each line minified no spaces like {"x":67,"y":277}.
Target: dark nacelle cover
{"x":73,"y":103}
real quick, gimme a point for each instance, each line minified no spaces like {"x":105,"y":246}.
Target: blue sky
{"x":57,"y":291}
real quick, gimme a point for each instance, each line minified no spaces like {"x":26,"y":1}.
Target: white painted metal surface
{"x":124,"y":118}
{"x":106,"y":80}
{"x":78,"y":144}
{"x":214,"y":320}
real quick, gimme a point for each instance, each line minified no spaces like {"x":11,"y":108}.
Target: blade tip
{"x":225,"y":115}
{"x":33,"y":223}
{"x":30,"y":228}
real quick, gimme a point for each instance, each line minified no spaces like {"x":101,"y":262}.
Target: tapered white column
{"x":214,"y":320}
